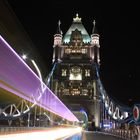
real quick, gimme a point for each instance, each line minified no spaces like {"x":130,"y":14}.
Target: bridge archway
{"x":82,"y":116}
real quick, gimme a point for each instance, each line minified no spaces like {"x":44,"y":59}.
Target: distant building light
{"x":107,"y":125}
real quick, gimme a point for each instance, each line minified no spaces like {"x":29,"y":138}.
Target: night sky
{"x":117,"y":24}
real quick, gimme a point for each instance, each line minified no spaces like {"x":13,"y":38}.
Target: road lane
{"x":89,"y":135}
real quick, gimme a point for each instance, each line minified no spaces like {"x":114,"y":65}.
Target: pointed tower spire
{"x":94,"y":30}
{"x":58,"y":28}
{"x":95,"y":44}
{"x":57,"y":43}
{"x":58,"y":35}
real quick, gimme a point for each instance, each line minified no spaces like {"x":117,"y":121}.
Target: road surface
{"x":92,"y":136}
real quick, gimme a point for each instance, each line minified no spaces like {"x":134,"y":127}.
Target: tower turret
{"x":58,"y":35}
{"x":57,"y":43}
{"x":95,"y":44}
{"x":95,"y":35}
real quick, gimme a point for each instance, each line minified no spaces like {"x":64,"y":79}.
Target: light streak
{"x":48,"y":134}
{"x":18,"y":78}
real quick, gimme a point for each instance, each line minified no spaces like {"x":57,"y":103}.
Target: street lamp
{"x":24,"y":56}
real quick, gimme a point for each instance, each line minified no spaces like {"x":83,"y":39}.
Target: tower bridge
{"x":73,"y":91}
{"x":76,"y":80}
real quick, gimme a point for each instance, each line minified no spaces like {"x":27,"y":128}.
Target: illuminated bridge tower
{"x":76,"y":56}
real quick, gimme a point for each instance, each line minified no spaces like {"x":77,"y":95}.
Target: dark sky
{"x":117,"y":24}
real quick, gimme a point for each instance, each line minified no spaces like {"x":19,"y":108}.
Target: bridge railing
{"x":133,"y":134}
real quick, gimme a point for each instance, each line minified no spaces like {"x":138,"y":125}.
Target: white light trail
{"x":54,"y":134}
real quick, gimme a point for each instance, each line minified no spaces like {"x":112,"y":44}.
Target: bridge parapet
{"x":130,"y":134}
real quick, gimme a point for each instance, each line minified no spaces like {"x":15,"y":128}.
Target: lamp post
{"x":41,"y":83}
{"x":24,"y":57}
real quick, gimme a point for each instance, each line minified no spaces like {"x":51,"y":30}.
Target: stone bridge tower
{"x":76,"y":56}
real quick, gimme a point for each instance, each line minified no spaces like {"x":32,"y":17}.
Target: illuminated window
{"x":64,"y":72}
{"x":75,"y":77}
{"x":83,"y":51}
{"x":75,"y":73}
{"x":66,"y":92}
{"x":67,"y":51}
{"x":95,"y":40}
{"x":75,"y":92}
{"x":87,"y":72}
{"x":85,"y":92}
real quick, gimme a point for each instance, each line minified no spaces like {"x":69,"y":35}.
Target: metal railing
{"x":133,"y":134}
